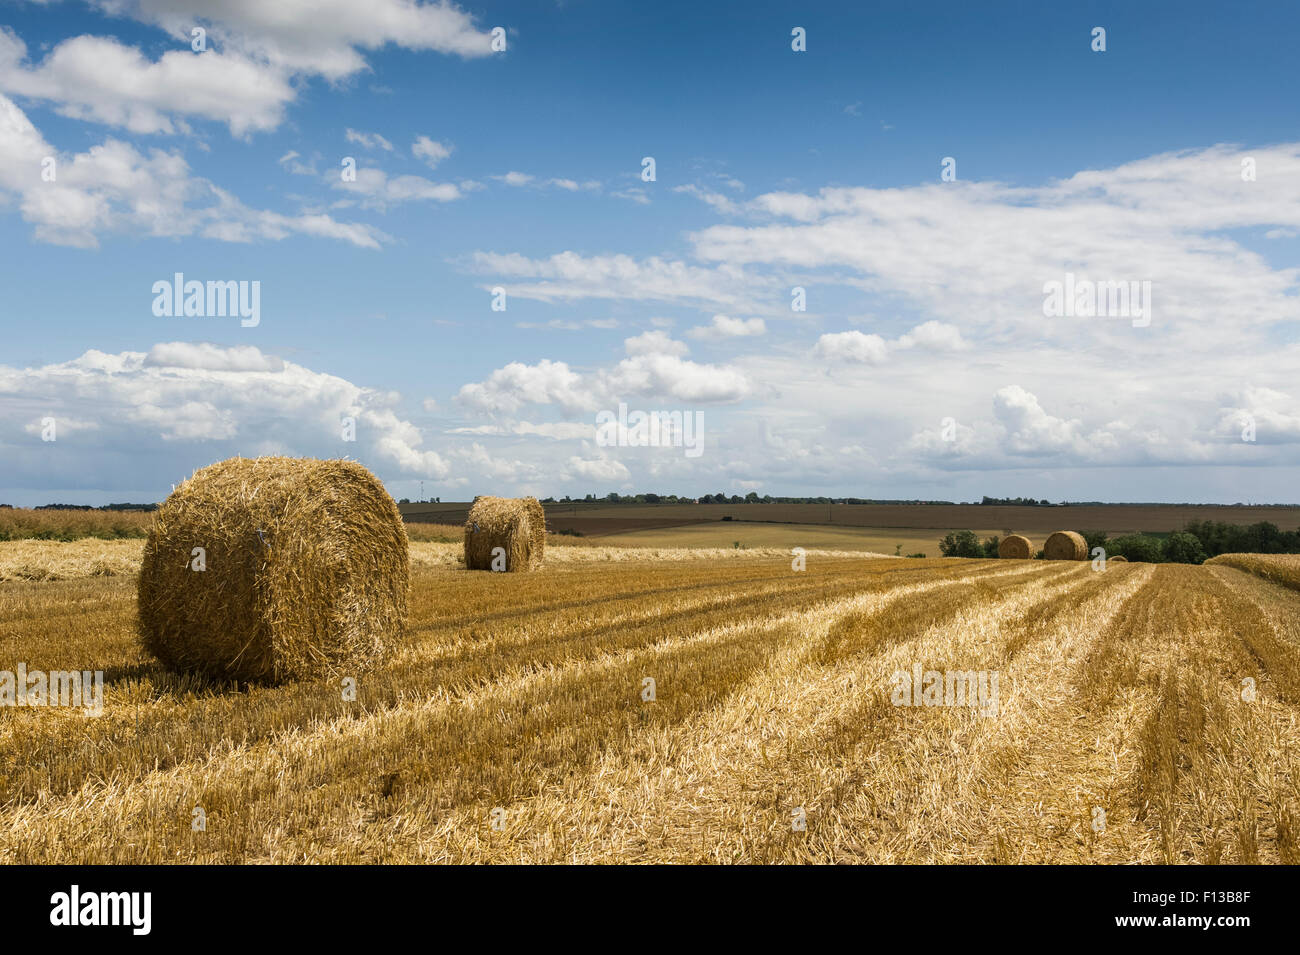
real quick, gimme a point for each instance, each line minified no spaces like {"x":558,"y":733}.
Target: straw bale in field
{"x":510,"y":523}
{"x":271,"y":569}
{"x":1015,"y":546}
{"x":1066,"y":545}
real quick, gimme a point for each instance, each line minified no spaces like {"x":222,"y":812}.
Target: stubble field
{"x":513,"y":728}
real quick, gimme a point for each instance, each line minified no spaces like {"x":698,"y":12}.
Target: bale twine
{"x":1015,"y":546}
{"x":305,"y":571}
{"x":1118,"y":557}
{"x":508,"y":523}
{"x":1066,"y":545}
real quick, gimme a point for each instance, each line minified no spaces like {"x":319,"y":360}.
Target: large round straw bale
{"x":508,"y":523}
{"x":1015,"y":546}
{"x":1066,"y":545}
{"x":1118,"y":557}
{"x":305,"y":571}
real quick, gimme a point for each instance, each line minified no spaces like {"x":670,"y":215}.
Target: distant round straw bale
{"x":273,"y":569}
{"x":537,"y":514}
{"x":1066,"y":545}
{"x":509,"y":523}
{"x":1015,"y":546}
{"x":1120,"y":558}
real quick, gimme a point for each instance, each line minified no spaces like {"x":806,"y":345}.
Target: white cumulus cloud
{"x":138,"y":419}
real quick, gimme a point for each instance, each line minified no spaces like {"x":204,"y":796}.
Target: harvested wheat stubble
{"x":1015,"y":546}
{"x":508,"y":523}
{"x":306,"y":575}
{"x":68,"y":560}
{"x":1283,"y":569}
{"x":1066,"y":545}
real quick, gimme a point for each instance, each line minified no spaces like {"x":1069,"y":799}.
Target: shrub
{"x":1263,"y":537}
{"x":1184,"y":548}
{"x":961,"y":544}
{"x":1138,"y":547}
{"x":1095,"y":539}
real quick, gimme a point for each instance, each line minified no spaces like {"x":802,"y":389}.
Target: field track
{"x":1120,"y":693}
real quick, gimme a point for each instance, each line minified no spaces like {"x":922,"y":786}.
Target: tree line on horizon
{"x":753,"y":497}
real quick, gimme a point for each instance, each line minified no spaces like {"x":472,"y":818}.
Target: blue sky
{"x":775,"y":169}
